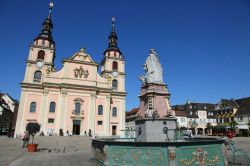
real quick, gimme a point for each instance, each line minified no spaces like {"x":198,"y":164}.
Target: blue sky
{"x":203,"y":45}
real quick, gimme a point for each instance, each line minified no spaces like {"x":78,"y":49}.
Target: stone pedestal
{"x":151,"y":130}
{"x":154,"y":101}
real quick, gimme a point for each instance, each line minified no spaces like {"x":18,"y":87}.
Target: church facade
{"x":77,"y":98}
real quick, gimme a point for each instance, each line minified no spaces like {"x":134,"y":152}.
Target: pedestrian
{"x":85,"y":133}
{"x":67,"y":132}
{"x":90,"y":135}
{"x":42,"y":134}
{"x":230,"y":135}
{"x":12,"y":133}
{"x":190,"y":135}
{"x":25,"y":139}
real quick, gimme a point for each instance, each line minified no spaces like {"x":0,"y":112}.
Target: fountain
{"x":157,"y":141}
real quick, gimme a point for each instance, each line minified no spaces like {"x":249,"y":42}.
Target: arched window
{"x":114,"y":112}
{"x":77,"y":107}
{"x":115,"y":65}
{"x":52,"y":107}
{"x":114,"y":84}
{"x":41,"y":54}
{"x":100,"y":110}
{"x":37,"y":76}
{"x":33,"y":107}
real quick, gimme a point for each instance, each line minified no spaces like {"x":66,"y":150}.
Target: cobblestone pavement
{"x":53,"y":151}
{"x":67,"y":151}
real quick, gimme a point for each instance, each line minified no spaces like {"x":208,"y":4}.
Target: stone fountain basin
{"x":187,"y":152}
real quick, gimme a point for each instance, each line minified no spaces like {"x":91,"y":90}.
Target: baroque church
{"x":77,"y":98}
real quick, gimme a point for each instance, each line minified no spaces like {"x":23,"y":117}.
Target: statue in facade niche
{"x":153,"y":68}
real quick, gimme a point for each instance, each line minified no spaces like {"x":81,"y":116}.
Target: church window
{"x":100,"y":110}
{"x":77,"y":107}
{"x":33,"y":107}
{"x":99,"y":122}
{"x":52,"y":107}
{"x":41,"y":54}
{"x":43,"y":42}
{"x":51,"y":120}
{"x":115,"y":65}
{"x":37,"y":76}
{"x":114,"y":84}
{"x":114,"y":112}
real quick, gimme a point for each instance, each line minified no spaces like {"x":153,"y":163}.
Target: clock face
{"x":39,"y":64}
{"x":115,"y":73}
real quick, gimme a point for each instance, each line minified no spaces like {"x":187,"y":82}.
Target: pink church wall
{"x":52,"y":98}
{"x":100,"y":128}
{"x":32,"y":116}
{"x":115,"y":121}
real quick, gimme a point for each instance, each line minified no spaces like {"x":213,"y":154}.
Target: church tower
{"x":40,"y":60}
{"x":42,"y":53}
{"x":113,"y":64}
{"x":113,"y":68}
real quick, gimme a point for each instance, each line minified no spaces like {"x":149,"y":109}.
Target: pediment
{"x":81,"y":57}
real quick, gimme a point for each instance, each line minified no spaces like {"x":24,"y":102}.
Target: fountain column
{"x":155,"y":114}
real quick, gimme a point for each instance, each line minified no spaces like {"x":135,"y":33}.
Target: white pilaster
{"x":20,"y":116}
{"x":122,"y":122}
{"x":63,"y":111}
{"x":107,"y":117}
{"x":93,"y":113}
{"x":43,"y":110}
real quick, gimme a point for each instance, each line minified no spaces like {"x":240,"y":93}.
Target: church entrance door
{"x":113,"y":130}
{"x":76,"y":127}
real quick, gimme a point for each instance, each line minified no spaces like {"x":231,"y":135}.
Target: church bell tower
{"x":42,"y":52}
{"x":113,"y":64}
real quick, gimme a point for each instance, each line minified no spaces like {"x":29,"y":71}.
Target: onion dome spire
{"x":113,"y":39}
{"x":46,"y":32}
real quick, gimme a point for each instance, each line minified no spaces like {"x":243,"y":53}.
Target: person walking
{"x":25,"y":139}
{"x":230,"y":135}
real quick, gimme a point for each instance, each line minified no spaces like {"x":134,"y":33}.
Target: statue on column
{"x":153,"y":68}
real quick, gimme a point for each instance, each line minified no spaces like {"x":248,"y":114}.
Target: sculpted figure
{"x":153,"y":69}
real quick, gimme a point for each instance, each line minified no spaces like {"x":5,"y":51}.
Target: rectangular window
{"x":240,"y":119}
{"x":99,"y":122}
{"x":50,"y":120}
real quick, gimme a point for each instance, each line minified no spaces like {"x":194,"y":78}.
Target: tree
{"x":209,"y":126}
{"x":33,"y":128}
{"x":233,"y":125}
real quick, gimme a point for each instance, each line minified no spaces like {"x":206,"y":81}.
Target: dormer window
{"x":41,"y":55}
{"x":37,"y":76}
